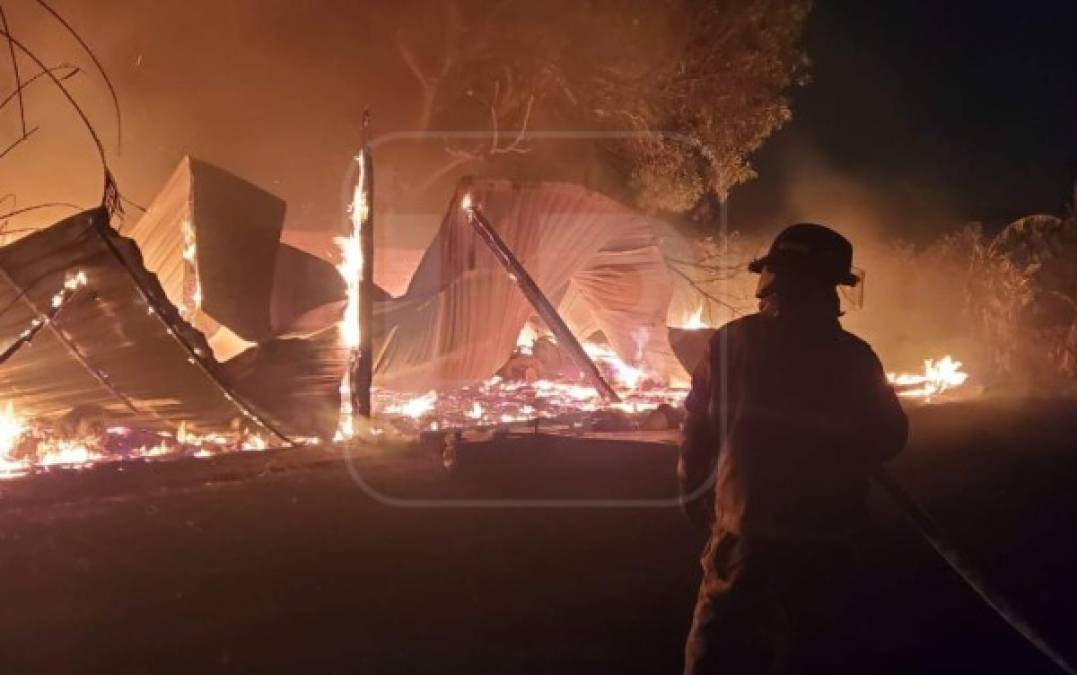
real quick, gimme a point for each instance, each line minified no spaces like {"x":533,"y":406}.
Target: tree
{"x":685,"y":90}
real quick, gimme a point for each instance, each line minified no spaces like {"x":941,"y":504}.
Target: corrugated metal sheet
{"x":119,"y":348}
{"x":236,"y":227}
{"x":159,"y":232}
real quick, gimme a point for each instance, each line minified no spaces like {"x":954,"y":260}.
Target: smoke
{"x":915,"y":281}
{"x":271,"y":90}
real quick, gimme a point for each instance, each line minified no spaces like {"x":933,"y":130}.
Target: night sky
{"x":961,"y":111}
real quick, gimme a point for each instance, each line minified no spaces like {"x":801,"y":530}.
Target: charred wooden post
{"x":361,"y":370}
{"x":546,"y":310}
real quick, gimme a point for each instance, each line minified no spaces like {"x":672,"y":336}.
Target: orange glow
{"x":694,"y":321}
{"x":938,"y":376}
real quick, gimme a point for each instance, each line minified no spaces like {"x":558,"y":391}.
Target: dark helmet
{"x":812,"y":250}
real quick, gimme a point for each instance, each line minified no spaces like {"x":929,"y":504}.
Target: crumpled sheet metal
{"x":109,"y":354}
{"x":460,"y":318}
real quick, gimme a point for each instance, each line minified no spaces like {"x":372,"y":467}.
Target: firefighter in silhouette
{"x":788,"y":416}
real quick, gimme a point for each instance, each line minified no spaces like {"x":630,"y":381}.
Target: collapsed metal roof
{"x":150,"y":340}
{"x":143,"y":350}
{"x":119,"y":349}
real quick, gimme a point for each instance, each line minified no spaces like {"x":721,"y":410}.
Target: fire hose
{"x":929,"y":530}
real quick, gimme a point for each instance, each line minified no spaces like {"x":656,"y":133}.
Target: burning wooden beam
{"x":362,"y":373}
{"x":518,"y":273}
{"x":356,"y":268}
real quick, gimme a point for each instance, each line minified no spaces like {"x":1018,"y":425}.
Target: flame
{"x":500,"y":402}
{"x":12,"y":429}
{"x":185,"y":437}
{"x":694,"y":320}
{"x":192,"y":300}
{"x":25,"y":446}
{"x":158,"y":450}
{"x":937,"y":377}
{"x":625,"y":375}
{"x":351,"y":270}
{"x":67,"y":451}
{"x":254,"y":443}
{"x":525,"y":341}
{"x":573,"y":391}
{"x":190,"y":248}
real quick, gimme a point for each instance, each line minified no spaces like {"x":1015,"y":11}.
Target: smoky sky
{"x":941,"y":112}
{"x":272,"y":90}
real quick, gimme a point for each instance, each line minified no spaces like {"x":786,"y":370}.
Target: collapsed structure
{"x":203,"y":320}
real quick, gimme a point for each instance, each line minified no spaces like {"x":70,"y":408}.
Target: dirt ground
{"x":539,"y":555}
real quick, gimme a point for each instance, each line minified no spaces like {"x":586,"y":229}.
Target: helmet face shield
{"x":852,"y":295}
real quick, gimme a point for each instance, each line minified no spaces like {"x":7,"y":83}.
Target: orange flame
{"x":937,"y":377}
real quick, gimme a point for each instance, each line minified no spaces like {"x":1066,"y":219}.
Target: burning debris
{"x":441,"y":359}
{"x":498,"y":403}
{"x":938,"y":377}
{"x":539,"y":385}
{"x":29,"y":445}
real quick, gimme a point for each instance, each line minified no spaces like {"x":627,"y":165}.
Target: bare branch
{"x":411,"y":59}
{"x":493,"y":116}
{"x":70,"y":99}
{"x":15,"y":69}
{"x":458,"y":160}
{"x":100,"y":69}
{"x":35,"y":207}
{"x":522,"y":135}
{"x":428,"y":81}
{"x":55,"y":70}
{"x":26,"y":136}
{"x":706,"y":294}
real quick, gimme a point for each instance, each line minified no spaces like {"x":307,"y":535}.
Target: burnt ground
{"x":281,"y":562}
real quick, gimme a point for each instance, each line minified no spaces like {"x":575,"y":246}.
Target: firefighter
{"x":788,"y":416}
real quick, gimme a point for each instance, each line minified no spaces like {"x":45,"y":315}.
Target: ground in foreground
{"x":295,"y":561}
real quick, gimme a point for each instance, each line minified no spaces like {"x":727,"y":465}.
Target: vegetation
{"x":682,"y":90}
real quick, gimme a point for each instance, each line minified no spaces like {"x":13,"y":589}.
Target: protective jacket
{"x":796,"y":413}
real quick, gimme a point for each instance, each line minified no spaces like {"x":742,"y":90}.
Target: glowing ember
{"x":938,"y":376}
{"x":71,"y":284}
{"x":504,"y":403}
{"x":416,"y":407}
